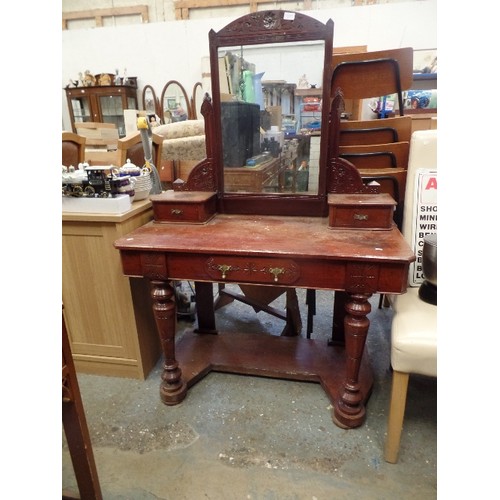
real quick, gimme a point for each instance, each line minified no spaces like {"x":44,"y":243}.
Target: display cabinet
{"x":104,"y":104}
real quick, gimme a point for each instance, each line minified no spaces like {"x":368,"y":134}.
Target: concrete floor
{"x":241,"y":437}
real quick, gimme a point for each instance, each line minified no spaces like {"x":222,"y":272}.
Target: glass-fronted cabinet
{"x":103,"y":104}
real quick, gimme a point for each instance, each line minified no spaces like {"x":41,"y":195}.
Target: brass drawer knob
{"x":360,"y":217}
{"x":276,"y":271}
{"x":223,"y":268}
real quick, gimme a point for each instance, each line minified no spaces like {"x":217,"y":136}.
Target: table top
{"x":136,"y":208}
{"x":270,"y":236}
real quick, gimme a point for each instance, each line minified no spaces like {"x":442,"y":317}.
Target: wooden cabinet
{"x":102,"y":104}
{"x":267,"y":176}
{"x":109,"y":318}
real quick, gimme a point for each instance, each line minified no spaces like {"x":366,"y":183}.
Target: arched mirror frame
{"x":270,"y":27}
{"x":156,"y":103}
{"x":196,"y":101}
{"x":164,"y":93}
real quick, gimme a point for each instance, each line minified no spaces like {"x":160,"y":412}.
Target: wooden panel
{"x":96,"y":157}
{"x":424,"y":121}
{"x":357,"y":132}
{"x":182,"y":7}
{"x":377,"y":155}
{"x":109,"y":333}
{"x":99,"y":14}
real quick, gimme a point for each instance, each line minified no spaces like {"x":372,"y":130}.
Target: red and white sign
{"x":425,"y":218}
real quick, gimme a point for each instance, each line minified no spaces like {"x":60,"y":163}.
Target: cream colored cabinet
{"x":108,"y":316}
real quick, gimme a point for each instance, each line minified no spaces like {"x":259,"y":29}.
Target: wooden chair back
{"x":130,"y":147}
{"x":372,"y":156}
{"x":382,"y":131}
{"x":391,"y":181}
{"x":73,"y":149}
{"x":373,"y":74}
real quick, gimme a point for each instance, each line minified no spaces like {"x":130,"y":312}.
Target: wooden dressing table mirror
{"x":336,"y":235}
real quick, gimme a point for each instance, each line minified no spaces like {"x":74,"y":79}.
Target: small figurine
{"x":303,"y":83}
{"x":104,"y":79}
{"x":88,"y":79}
{"x":153,"y":122}
{"x":125,"y":77}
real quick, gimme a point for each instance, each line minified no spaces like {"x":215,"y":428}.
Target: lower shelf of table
{"x":291,"y":358}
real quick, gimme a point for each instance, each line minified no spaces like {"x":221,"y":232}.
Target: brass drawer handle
{"x":360,"y":217}
{"x":223,"y":268}
{"x":276,"y":271}
{"x":176,"y":211}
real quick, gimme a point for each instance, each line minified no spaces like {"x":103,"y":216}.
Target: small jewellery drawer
{"x":361,"y":211}
{"x":253,"y":270}
{"x":190,"y":206}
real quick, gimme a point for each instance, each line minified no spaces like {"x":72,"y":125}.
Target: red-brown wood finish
{"x":266,"y":250}
{"x":350,"y":211}
{"x":75,"y":427}
{"x":192,"y":206}
{"x":271,"y":240}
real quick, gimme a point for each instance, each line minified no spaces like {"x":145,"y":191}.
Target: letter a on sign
{"x":432,"y":183}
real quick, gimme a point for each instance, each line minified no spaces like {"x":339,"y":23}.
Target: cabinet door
{"x":80,"y":109}
{"x":131,"y":103}
{"x":111,"y":107}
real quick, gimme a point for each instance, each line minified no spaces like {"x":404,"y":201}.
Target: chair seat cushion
{"x":414,"y":334}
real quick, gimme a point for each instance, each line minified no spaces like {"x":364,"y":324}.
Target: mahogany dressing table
{"x":208,"y":234}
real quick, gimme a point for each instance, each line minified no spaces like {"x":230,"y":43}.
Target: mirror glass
{"x":270,"y":99}
{"x":149,"y":100}
{"x":197,"y":100}
{"x":174,"y":103}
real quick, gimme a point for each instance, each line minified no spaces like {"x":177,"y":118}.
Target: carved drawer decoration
{"x":253,"y":270}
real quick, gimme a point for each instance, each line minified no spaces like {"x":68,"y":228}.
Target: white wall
{"x":163,"y":51}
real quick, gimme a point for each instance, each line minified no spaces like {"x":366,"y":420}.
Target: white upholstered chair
{"x":414,"y":324}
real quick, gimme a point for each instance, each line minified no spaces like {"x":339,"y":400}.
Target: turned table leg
{"x":349,"y":410}
{"x":172,"y":388}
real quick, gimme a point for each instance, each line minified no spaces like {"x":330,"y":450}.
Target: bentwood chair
{"x":73,"y":149}
{"x":414,"y":324}
{"x":382,"y":131}
{"x":364,"y":75}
